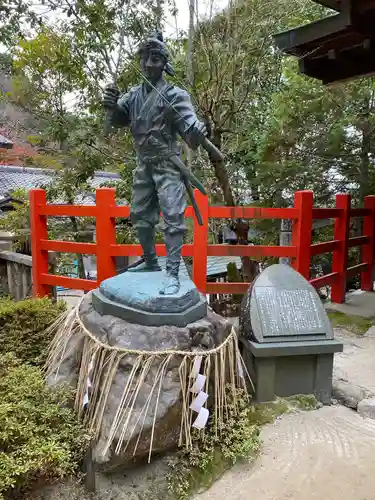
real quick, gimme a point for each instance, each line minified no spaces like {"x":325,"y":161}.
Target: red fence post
{"x":38,"y":228}
{"x":200,"y":244}
{"x":302,"y":230}
{"x":105,"y":234}
{"x":340,"y":255}
{"x":368,"y":250}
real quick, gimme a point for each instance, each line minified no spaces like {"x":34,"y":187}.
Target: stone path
{"x":328,"y":453}
{"x":354,"y":369}
{"x":358,"y":303}
{"x":71,"y":297}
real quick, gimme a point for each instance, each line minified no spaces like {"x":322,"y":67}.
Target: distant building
{"x":5,"y":143}
{"x":13,"y":153}
{"x":227,"y":235}
{"x":13,"y":178}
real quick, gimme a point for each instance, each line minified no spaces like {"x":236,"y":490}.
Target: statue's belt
{"x":152,"y":158}
{"x":188,"y":177}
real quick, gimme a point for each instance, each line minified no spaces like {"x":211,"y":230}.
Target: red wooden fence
{"x":303,"y":213}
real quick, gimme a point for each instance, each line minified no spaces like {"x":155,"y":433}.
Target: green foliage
{"x":40,"y":438}
{"x":6,"y":63}
{"x":212,"y":453}
{"x":23,"y":325}
{"x":234,"y":276}
{"x":16,"y":16}
{"x":266,"y":413}
{"x":17,"y":221}
{"x":305,"y":402}
{"x":355,"y":324}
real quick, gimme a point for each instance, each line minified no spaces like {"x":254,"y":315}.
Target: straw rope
{"x":138,"y":351}
{"x":99,"y":363}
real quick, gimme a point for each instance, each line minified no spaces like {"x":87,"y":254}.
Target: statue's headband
{"x":155,"y":43}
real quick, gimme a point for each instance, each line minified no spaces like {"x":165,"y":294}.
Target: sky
{"x":182,"y":19}
{"x":204,"y":9}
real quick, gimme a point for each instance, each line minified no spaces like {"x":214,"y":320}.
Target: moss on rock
{"x":350,"y":322}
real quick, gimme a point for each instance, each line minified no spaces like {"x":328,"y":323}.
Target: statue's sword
{"x":187,"y":176}
{"x":206,"y":144}
{"x":190,"y":180}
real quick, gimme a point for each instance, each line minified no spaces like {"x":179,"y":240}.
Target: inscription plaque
{"x":281,"y":305}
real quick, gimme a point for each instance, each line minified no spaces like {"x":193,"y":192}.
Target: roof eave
{"x":292,"y":42}
{"x":330,"y":4}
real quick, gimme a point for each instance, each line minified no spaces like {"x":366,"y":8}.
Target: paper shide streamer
{"x":205,"y":376}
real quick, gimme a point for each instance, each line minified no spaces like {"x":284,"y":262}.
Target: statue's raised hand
{"x":199,"y":131}
{"x":196,"y":133}
{"x":110,"y":96}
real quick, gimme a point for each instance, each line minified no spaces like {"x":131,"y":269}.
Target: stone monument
{"x":288,"y":342}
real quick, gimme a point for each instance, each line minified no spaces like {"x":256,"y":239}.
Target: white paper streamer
{"x":196,"y":367}
{"x":198,"y":384}
{"x":240,"y":369}
{"x":201,"y":420}
{"x":199,"y":401}
{"x":89,"y":384}
{"x":85,"y":399}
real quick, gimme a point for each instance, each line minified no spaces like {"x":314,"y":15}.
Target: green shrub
{"x":40,"y":437}
{"x":23,"y":325}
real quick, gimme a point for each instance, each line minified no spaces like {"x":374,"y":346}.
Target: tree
{"x":62,"y":63}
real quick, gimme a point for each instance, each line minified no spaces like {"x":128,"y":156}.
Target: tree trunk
{"x":253,"y":185}
{"x":81,"y":265}
{"x":364,"y":165}
{"x":365,"y":161}
{"x":285,"y":238}
{"x":250,"y":268}
{"x":221,"y":173}
{"x":159,"y":13}
{"x":190,"y":47}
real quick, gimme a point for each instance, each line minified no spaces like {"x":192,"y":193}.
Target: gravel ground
{"x":328,"y":453}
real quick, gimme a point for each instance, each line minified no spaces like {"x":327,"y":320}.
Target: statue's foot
{"x":145,"y":267}
{"x":171,"y":285}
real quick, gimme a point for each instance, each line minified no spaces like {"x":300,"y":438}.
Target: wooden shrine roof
{"x":330,"y":4}
{"x":338,"y":47}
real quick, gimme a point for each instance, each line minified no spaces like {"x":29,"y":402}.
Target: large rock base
{"x":165,"y":416}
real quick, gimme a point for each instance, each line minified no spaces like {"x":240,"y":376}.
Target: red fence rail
{"x":302,"y":214}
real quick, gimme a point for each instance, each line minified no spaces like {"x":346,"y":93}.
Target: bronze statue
{"x":157,"y":112}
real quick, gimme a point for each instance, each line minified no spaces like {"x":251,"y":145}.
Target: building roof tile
{"x":13,"y":178}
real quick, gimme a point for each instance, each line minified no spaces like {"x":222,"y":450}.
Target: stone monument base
{"x":290,"y":368}
{"x":135,"y":297}
{"x":157,"y":379}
